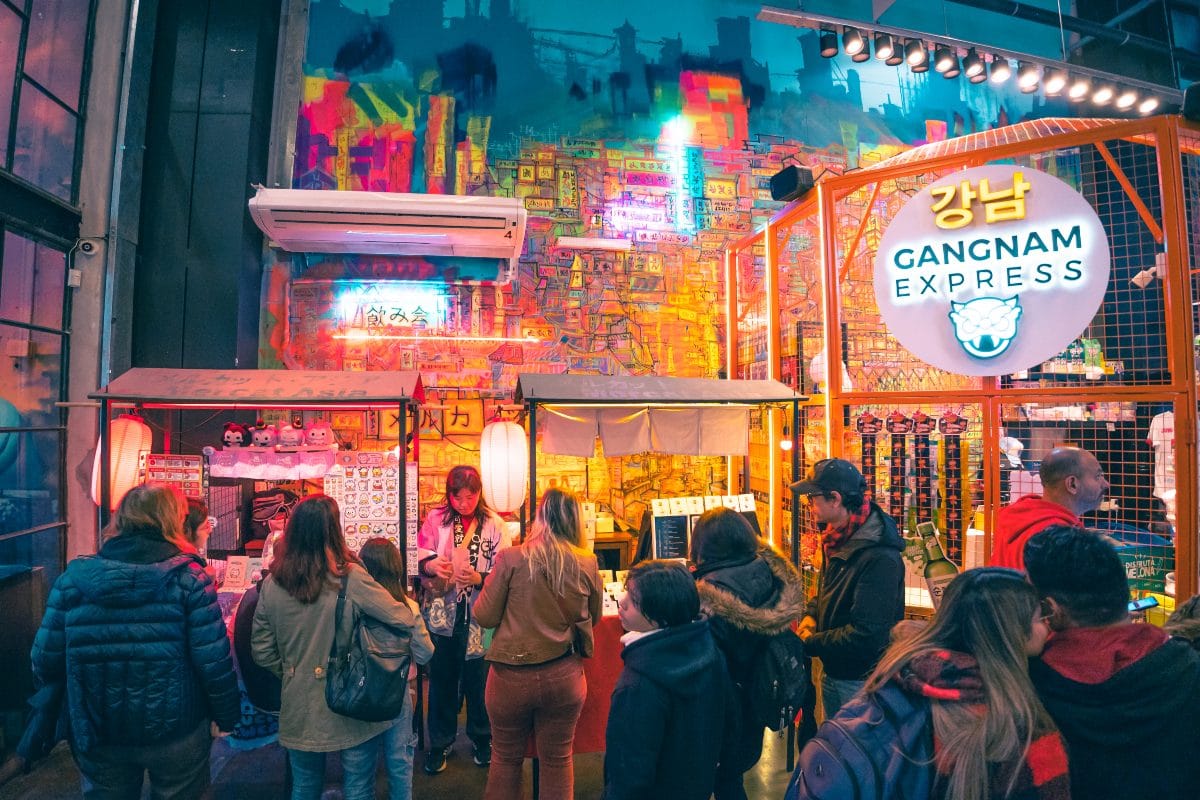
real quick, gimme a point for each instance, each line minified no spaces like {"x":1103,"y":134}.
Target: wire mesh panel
{"x":751,"y":325}
{"x":801,"y":331}
{"x":1134,"y":445}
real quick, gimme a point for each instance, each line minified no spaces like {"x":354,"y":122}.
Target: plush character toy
{"x":236,"y":435}
{"x":290,"y":436}
{"x":318,"y":433}
{"x":264,"y":435}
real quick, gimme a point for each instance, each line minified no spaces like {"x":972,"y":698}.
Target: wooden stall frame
{"x":1163,"y":133}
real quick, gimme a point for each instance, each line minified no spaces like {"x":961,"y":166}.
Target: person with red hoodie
{"x":1072,"y":485}
{"x":1125,"y":696}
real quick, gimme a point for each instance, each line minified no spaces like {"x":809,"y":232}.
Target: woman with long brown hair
{"x":993,"y":739}
{"x":543,"y":598}
{"x":293,"y":629}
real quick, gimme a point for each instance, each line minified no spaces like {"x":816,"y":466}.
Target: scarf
{"x":948,"y":676}
{"x":834,"y":537}
{"x":456,"y":523}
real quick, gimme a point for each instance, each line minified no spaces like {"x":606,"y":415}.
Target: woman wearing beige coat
{"x":293,"y":630}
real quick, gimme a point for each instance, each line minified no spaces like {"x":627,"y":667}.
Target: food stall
{"x":957,"y":311}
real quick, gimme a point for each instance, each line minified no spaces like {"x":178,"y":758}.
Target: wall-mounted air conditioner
{"x":387,"y":223}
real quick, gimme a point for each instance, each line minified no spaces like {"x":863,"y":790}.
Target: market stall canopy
{"x":262,"y":388}
{"x":635,"y":414}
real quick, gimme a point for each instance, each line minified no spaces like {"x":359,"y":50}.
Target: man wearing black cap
{"x":860,"y":593}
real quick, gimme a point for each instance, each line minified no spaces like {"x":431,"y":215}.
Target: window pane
{"x":29,"y":494}
{"x":10,"y":42}
{"x":16,"y":279}
{"x":54,"y":51}
{"x":45,"y":153}
{"x":49,"y":283}
{"x":32,"y":366}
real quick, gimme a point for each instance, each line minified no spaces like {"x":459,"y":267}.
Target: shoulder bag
{"x":367,"y":676}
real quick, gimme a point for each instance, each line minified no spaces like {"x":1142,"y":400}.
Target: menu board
{"x":671,"y":536}
{"x":366,"y":485}
{"x":185,"y":473}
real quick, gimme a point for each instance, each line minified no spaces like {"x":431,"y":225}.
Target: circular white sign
{"x":992,"y":270}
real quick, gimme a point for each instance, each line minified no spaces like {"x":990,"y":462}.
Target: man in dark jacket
{"x":749,"y":593}
{"x":136,"y":636}
{"x":1125,"y":697}
{"x":860,"y":593}
{"x":672,"y":709}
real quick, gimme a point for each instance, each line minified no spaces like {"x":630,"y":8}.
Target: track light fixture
{"x":1001,"y":71}
{"x":943,"y":58}
{"x":1149,"y":105}
{"x":1053,"y":82}
{"x":1080,"y":86}
{"x":973,"y":66}
{"x":829,"y":43}
{"x":885,"y":46}
{"x":954,"y":70}
{"x":915,"y":53}
{"x":862,"y":55}
{"x":1103,"y":94}
{"x":1126,"y":99}
{"x":1027,"y":76}
{"x":853,"y":42}
{"x":896,"y":58}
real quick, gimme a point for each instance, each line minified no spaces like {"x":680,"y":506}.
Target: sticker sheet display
{"x":366,"y":485}
{"x":185,"y":473}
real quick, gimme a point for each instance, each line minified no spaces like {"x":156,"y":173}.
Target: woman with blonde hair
{"x":993,"y":739}
{"x":135,"y":635}
{"x":543,"y":597}
{"x":293,"y":629}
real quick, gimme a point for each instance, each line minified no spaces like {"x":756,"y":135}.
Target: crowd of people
{"x":1031,"y":681}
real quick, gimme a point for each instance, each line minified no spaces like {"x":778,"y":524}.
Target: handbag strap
{"x":337,"y":616}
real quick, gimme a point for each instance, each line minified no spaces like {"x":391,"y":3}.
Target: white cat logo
{"x":986,"y":326}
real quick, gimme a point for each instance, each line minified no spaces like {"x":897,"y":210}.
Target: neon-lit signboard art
{"x":992,"y":270}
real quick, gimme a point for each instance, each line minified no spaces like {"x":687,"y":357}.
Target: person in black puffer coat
{"x":750,"y":592}
{"x":136,"y":636}
{"x":673,"y":709}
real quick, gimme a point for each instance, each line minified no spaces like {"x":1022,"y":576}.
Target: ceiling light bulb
{"x":1080,"y":86}
{"x":973,"y":65}
{"x":829,"y":43}
{"x":943,"y":58}
{"x":915,"y":53}
{"x":885,"y":46}
{"x":1054,"y":81}
{"x":1104,"y":93}
{"x":1027,"y":76}
{"x":1001,"y":70}
{"x":853,"y":41}
{"x":1126,"y":99}
{"x":1148,"y":105}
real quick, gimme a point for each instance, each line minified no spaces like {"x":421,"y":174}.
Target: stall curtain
{"x":686,"y":430}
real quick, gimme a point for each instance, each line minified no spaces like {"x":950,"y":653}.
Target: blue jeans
{"x":358,"y":764}
{"x":835,"y":693}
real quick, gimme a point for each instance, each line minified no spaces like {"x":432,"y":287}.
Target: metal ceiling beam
{"x":1083,"y":27}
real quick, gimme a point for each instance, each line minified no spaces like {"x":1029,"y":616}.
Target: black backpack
{"x":879,"y":746}
{"x":779,"y":682}
{"x":367,"y":677}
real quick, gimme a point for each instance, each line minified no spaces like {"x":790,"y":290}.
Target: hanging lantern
{"x":504,"y":465}
{"x":128,"y":437}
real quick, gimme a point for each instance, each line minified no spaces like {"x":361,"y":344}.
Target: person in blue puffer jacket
{"x":136,"y":636}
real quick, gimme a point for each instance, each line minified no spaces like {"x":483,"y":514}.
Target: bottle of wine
{"x":939,"y":570}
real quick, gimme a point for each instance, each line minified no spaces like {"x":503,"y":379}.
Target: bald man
{"x":1072,"y":485}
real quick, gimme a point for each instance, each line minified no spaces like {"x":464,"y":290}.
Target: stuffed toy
{"x":263,"y":435}
{"x":290,"y":436}
{"x":318,"y":433}
{"x":236,"y":435}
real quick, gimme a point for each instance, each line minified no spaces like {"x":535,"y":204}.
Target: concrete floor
{"x":259,"y":775}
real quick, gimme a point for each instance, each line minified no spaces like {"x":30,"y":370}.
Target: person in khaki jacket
{"x":293,"y":630}
{"x":543,"y":598}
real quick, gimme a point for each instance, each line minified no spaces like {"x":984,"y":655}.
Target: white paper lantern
{"x":504,"y":465}
{"x":128,"y":437}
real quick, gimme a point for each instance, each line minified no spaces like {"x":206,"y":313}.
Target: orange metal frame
{"x":1164,"y":134}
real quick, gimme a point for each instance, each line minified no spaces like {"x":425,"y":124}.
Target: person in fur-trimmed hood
{"x":749,"y":592}
{"x":860,"y":594}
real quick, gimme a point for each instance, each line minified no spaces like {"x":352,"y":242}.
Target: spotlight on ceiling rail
{"x":1054,"y":81}
{"x":1148,"y":106}
{"x":1027,"y":76}
{"x":916,"y":55}
{"x":829,"y":43}
{"x":1001,"y":70}
{"x":1126,"y":99}
{"x":853,"y":41}
{"x":1104,"y":94}
{"x":1079,"y":88}
{"x":943,"y":58}
{"x":885,"y":46}
{"x":974,"y":68}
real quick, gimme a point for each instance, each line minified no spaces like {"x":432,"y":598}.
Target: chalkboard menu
{"x":671,"y":536}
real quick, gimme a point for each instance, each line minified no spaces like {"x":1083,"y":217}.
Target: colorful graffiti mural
{"x":604,"y":131}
